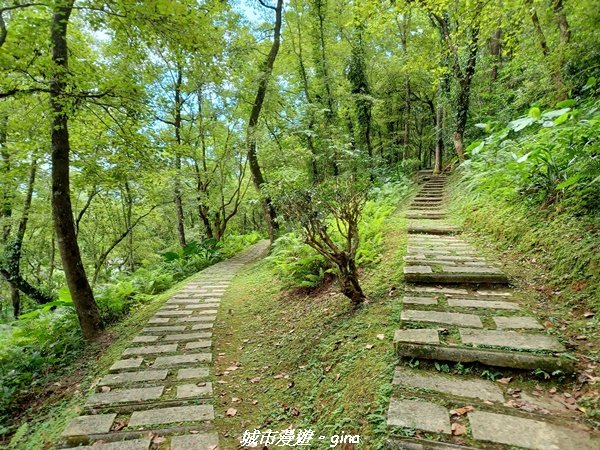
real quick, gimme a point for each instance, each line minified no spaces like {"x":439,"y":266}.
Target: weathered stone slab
{"x":417,"y":269}
{"x":200,"y":390}
{"x":161,"y":329}
{"x":192,"y":373}
{"x":527,"y":433}
{"x":145,"y":339}
{"x":511,"y":339}
{"x":94,"y":424}
{"x":204,"y":441}
{"x":437,"y":290}
{"x":171,"y":313}
{"x":150,"y":349}
{"x":460,"y":277}
{"x":419,"y":414}
{"x":198,"y":344}
{"x":490,"y":357}
{"x":398,"y":443}
{"x":420,"y":300}
{"x":125,"y":396}
{"x":504,"y":323}
{"x":131,"y":444}
{"x":130,"y":363}
{"x":202,"y":306}
{"x":466,"y":303}
{"x":133,"y":377}
{"x":423,"y":335}
{"x":203,"y":326}
{"x":471,"y":269}
{"x":159,"y":320}
{"x":190,"y":358}
{"x":501,"y":293}
{"x":448,"y":318}
{"x":194,"y":413}
{"x":187,"y":336}
{"x":198,"y":318}
{"x":473,"y":388}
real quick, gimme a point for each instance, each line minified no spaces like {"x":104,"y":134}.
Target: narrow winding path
{"x":160,"y":394}
{"x":459,"y":308}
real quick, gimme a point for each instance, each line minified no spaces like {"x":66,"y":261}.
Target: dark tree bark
{"x":81,"y":292}
{"x":357,"y":75}
{"x":177,"y":181}
{"x":563,"y":23}
{"x":495,"y":48}
{"x":255,"y":170}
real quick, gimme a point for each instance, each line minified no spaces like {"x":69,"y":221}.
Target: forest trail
{"x":459,"y":308}
{"x":158,"y":392}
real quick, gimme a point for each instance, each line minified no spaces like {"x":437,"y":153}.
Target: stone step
{"x":397,"y":443}
{"x":432,"y":229}
{"x":424,"y":215}
{"x":454,"y":275}
{"x":425,"y":344}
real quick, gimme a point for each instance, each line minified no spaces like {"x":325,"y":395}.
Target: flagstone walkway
{"x":159,"y":394}
{"x":459,"y":308}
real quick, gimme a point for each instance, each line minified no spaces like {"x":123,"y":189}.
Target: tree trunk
{"x":15,"y":298}
{"x":81,"y":292}
{"x":464,"y":94}
{"x":255,"y":170}
{"x":563,"y":24}
{"x":350,"y":286}
{"x":495,"y":53}
{"x":439,"y":140}
{"x":177,"y":181}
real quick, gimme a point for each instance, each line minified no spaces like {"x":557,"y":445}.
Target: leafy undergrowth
{"x":305,"y":360}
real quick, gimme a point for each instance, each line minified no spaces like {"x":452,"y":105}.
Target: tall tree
{"x":60,"y":106}
{"x":263,"y":83}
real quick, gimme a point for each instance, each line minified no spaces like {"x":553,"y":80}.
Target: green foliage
{"x":298,"y":265}
{"x":542,"y":158}
{"x":295,"y":263}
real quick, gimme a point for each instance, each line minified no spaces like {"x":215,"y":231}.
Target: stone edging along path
{"x":159,"y":394}
{"x":459,"y":308}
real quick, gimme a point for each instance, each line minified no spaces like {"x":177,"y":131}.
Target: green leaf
{"x":170,"y":256}
{"x":566,"y":103}
{"x":520,"y":124}
{"x":555,"y":113}
{"x":535,"y":113}
{"x":569,"y":182}
{"x":561,"y":119}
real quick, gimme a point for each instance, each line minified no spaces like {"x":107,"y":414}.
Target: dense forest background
{"x":143,"y":141}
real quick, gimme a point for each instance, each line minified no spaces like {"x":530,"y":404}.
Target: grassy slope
{"x":308,"y":361}
{"x":42,"y":424}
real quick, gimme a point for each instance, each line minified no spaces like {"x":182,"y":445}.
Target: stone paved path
{"x":159,"y":394}
{"x":458,"y":307}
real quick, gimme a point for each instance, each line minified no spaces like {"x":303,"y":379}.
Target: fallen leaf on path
{"x":462,"y":411}
{"x":231,"y":412}
{"x":105,"y":389}
{"x":255,"y":380}
{"x":458,"y":429}
{"x":381,"y":336}
{"x":235,"y":400}
{"x":504,"y":380}
{"x":369,"y":346}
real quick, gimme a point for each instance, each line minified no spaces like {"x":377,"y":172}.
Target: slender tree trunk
{"x":495,"y":49}
{"x":177,"y":181}
{"x":464,"y":94}
{"x":255,"y":170}
{"x":563,"y":23}
{"x":5,"y":185}
{"x":81,"y":292}
{"x":439,"y":139}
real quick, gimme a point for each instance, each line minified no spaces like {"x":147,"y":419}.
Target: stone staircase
{"x":159,"y":394}
{"x":458,"y":307}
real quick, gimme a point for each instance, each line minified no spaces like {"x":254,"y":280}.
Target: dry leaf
{"x":458,"y":429}
{"x":462,"y":411}
{"x":231,"y":412}
{"x":504,"y":380}
{"x":369,"y":346}
{"x":255,"y":380}
{"x":105,"y":389}
{"x":381,"y":336}
{"x":235,"y":400}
